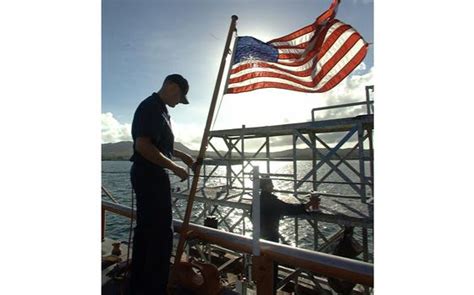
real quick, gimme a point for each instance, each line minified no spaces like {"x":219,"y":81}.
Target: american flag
{"x":312,"y":59}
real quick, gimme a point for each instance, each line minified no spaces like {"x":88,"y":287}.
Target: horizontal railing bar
{"x":214,"y":201}
{"x":287,"y":175}
{"x":305,"y":193}
{"x":108,"y":194}
{"x":272,"y":174}
{"x":342,"y":105}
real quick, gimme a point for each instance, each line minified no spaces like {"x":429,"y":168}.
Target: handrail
{"x":108,"y":194}
{"x":321,"y":263}
{"x":369,"y":102}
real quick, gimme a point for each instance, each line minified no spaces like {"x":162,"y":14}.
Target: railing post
{"x":262,"y":269}
{"x":256,"y":212}
{"x":367,"y":96}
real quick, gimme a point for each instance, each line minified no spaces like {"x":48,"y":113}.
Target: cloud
{"x":113,"y":130}
{"x":188,"y":134}
{"x":361,"y":67}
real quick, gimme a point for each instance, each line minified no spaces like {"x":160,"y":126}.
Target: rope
{"x":129,"y":242}
{"x":217,"y":113}
{"x":225,"y":85}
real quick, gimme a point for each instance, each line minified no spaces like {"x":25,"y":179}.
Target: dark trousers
{"x":153,"y":236}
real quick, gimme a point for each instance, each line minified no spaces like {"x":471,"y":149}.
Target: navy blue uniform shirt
{"x":152,"y":120}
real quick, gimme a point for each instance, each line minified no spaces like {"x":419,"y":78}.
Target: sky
{"x":145,"y":40}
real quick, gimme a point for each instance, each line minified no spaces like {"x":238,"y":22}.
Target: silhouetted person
{"x":152,"y":152}
{"x":272,"y":210}
{"x":349,"y":248}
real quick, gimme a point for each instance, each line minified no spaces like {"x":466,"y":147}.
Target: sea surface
{"x":116,"y":179}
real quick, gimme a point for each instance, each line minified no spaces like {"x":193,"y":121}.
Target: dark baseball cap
{"x":265,"y":180}
{"x":183,"y":85}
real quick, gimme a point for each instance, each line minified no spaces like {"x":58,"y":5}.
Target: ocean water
{"x":116,"y":179}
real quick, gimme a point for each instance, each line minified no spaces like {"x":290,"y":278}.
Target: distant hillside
{"x":123,"y":151}
{"x":117,"y":151}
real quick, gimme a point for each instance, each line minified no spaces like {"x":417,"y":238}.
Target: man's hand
{"x":180,"y":172}
{"x":313,"y":203}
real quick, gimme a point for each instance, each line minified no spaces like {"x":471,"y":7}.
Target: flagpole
{"x":202,"y":150}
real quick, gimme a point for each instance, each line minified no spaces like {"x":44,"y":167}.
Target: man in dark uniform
{"x":152,"y":152}
{"x":271,"y":210}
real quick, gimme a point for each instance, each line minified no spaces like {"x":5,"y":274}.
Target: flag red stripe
{"x":295,"y":34}
{"x":346,"y":70}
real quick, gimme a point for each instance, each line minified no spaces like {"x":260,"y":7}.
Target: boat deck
{"x":229,"y":267}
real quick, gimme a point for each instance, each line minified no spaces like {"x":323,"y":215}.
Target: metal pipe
{"x":340,"y":106}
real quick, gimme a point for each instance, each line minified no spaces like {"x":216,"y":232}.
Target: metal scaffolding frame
{"x":233,"y":195}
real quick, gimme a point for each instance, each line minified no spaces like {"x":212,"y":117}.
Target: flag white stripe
{"x":342,"y":62}
{"x":291,"y":50}
{"x":295,"y":42}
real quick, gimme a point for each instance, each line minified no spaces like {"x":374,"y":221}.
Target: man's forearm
{"x":152,"y":154}
{"x":179,"y":154}
{"x":187,"y":159}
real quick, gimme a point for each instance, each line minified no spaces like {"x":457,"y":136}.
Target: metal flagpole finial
{"x":235,"y":17}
